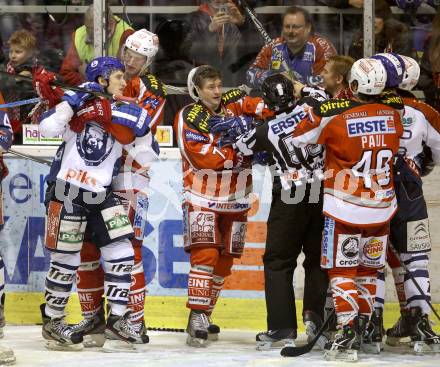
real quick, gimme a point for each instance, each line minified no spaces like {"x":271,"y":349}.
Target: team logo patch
{"x":370,"y":125}
{"x":348,"y":250}
{"x":238,"y":237}
{"x":418,"y":238}
{"x":202,"y":227}
{"x":94,"y":144}
{"x":373,"y":249}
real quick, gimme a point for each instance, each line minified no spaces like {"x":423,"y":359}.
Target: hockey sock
{"x":366,"y":286}
{"x":217,"y":286}
{"x":59,"y":281}
{"x":379,"y":300}
{"x":199,"y":287}
{"x":345,"y":297}
{"x":90,"y":280}
{"x":118,"y":264}
{"x":136,"y":299}
{"x":399,"y":277}
{"x":2,"y":277}
{"x":417,"y":265}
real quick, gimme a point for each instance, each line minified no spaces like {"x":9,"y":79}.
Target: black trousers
{"x":293,"y":228}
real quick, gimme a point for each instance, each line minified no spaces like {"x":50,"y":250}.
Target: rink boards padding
{"x":166,"y":264}
{"x":171,"y":312}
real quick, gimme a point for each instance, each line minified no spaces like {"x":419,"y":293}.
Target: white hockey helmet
{"x":191,"y":85}
{"x":370,"y":76}
{"x":411,"y":73}
{"x":143,"y":42}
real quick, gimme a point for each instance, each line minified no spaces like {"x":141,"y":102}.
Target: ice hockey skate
{"x":424,"y":338}
{"x":213,"y":330}
{"x":92,"y":329}
{"x":364,"y":336}
{"x":375,"y":330}
{"x":141,"y":329}
{"x":7,"y":356}
{"x":273,"y":339}
{"x":341,"y":348}
{"x":120,"y":334}
{"x":399,"y":334}
{"x":197,"y":329}
{"x":313,"y":323}
{"x":59,"y":335}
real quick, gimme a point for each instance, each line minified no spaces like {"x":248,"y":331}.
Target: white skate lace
{"x":200,"y":321}
{"x":83,"y":325}
{"x":61,"y":328}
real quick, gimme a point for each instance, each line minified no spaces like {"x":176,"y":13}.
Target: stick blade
{"x":295,"y":351}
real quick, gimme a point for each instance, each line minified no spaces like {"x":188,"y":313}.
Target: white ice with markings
{"x":234,"y":348}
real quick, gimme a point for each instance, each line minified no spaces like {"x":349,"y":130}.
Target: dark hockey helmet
{"x":278,"y":92}
{"x":103,"y":66}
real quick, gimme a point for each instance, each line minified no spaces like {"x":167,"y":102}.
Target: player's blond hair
{"x":341,"y":65}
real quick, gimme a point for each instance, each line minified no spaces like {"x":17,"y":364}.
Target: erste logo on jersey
{"x":278,"y":126}
{"x":94,"y":144}
{"x":371,"y":125}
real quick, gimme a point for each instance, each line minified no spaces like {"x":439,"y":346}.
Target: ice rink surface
{"x":234,"y":348}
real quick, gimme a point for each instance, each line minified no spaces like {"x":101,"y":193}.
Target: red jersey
{"x":361,"y":140}
{"x":215,"y":177}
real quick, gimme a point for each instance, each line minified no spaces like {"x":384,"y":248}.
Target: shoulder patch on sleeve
{"x":196,"y":116}
{"x":154,"y":85}
{"x":232,"y":96}
{"x":333,"y":107}
{"x":392,"y":100}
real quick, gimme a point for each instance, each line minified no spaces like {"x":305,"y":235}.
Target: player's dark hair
{"x":205,"y":72}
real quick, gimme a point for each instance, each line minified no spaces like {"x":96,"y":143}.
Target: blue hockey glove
{"x":6,"y":139}
{"x":132,"y":116}
{"x":232,"y":126}
{"x":76,"y":99}
{"x":261,"y":158}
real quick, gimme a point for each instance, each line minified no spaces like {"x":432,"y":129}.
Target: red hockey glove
{"x":98,"y":110}
{"x":41,"y":79}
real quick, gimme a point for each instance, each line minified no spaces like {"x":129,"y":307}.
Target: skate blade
{"x":279,"y":344}
{"x":420,"y":347}
{"x":118,"y":346}
{"x":397,"y":342}
{"x":94,"y":340}
{"x":371,"y":348}
{"x":7,"y":361}
{"x":55,"y":345}
{"x":196,"y":342}
{"x":212,"y":337}
{"x":341,"y":355}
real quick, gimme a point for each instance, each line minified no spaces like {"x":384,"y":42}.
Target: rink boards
{"x":166,"y":264}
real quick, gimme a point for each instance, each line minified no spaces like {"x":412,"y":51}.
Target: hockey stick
{"x":20,"y":103}
{"x":68,"y":87}
{"x":415,"y":282}
{"x":298,"y":351}
{"x":30,"y":157}
{"x":265,"y":35}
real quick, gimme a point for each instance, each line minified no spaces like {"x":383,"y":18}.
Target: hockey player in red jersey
{"x":217,"y":184}
{"x":361,"y":138}
{"x":409,"y":232}
{"x":131,"y":185}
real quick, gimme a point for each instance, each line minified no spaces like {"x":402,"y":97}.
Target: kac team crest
{"x":94,"y":144}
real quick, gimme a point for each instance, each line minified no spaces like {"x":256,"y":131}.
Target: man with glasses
{"x":304,"y":52}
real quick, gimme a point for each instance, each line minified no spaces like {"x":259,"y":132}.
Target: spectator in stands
{"x":304,"y":52}
{"x":429,"y":80}
{"x":215,"y":31}
{"x":391,"y":35}
{"x":81,"y":51}
{"x":22,"y":51}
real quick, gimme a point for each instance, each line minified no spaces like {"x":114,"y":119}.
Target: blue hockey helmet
{"x":103,"y":66}
{"x":394,"y":66}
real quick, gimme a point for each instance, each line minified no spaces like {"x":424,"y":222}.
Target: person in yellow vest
{"x":81,"y":50}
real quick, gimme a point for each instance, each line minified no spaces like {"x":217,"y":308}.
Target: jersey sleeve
{"x":309,"y":130}
{"x":152,"y":97}
{"x":55,"y":121}
{"x":324,"y":50}
{"x":201,"y":149}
